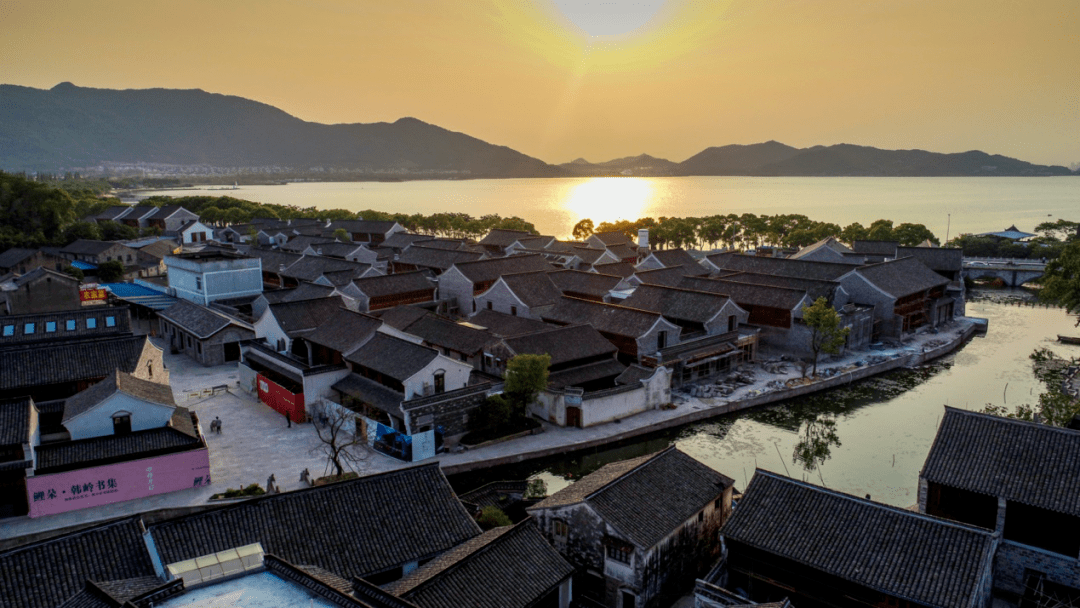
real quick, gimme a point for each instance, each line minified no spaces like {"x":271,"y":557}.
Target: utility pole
{"x":948,"y":225}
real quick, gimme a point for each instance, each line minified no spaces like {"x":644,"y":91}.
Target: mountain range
{"x":192,"y":131}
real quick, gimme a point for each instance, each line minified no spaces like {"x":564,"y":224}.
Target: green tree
{"x":111,"y":271}
{"x":342,"y":235}
{"x":113,"y":231}
{"x":815,"y":442}
{"x":492,"y":517}
{"x":911,"y":235}
{"x":1061,"y":282}
{"x":526,"y":376}
{"x":826,"y":335}
{"x":81,"y":230}
{"x":75,"y":272}
{"x":881,"y":230}
{"x":583,"y":229}
{"x":854,"y":232}
{"x":1055,"y":406}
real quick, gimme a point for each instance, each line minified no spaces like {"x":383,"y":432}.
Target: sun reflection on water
{"x":608,"y":199}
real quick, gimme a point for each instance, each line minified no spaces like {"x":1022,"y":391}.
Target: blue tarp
{"x":83,"y":265}
{"x":137,"y":294}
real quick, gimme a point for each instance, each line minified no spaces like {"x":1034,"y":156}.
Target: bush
{"x":492,"y":517}
{"x":252,"y":490}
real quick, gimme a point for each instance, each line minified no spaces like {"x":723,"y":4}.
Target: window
{"x":50,"y":327}
{"x":701,"y":516}
{"x":440,"y":382}
{"x":561,"y":530}
{"x":716,"y":503}
{"x":121,"y":423}
{"x":189,"y":341}
{"x":198,"y":347}
{"x":513,"y":310}
{"x":28,"y":328}
{"x":474,"y":306}
{"x":661,"y":340}
{"x":70,"y":324}
{"x":618,"y":553}
{"x":91,"y":323}
{"x":110,"y":321}
{"x":489,"y":306}
{"x":9,"y":330}
{"x":731,"y":323}
{"x":150,"y":369}
{"x":198,"y":283}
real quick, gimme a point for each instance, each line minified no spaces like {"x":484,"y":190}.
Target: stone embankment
{"x":771,"y":382}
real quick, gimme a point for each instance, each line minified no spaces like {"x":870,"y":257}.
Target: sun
{"x":607,"y":199}
{"x":609,"y":18}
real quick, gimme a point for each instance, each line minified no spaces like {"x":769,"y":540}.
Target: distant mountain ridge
{"x":70,"y":128}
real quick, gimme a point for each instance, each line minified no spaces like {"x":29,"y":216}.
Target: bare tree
{"x":341,"y":443}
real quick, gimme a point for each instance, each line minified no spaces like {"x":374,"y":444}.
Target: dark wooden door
{"x":573,"y":417}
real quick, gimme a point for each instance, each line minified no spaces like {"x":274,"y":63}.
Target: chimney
{"x":643,"y":238}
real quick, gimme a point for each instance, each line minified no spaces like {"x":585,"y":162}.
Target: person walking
{"x":288,"y":419}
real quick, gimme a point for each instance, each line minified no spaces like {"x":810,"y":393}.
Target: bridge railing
{"x":1005,"y":261}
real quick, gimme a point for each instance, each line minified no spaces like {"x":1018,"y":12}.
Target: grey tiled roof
{"x":656,"y":497}
{"x":15,"y":421}
{"x":581,"y":375}
{"x":503,"y":238}
{"x":1034,"y":464}
{"x":532,"y":288}
{"x":118,"y":381}
{"x":924,"y":559}
{"x":400,"y":317}
{"x":83,"y":360}
{"x":746,"y":294}
{"x":46,"y":573}
{"x":371,"y":393}
{"x":138,"y":444}
{"x":344,"y":331}
{"x":394,"y":284}
{"x":813,"y":287}
{"x":827,"y":271}
{"x":681,"y":304}
{"x":353,"y":528}
{"x":635,"y":374}
{"x":902,"y":277}
{"x":582,"y":488}
{"x":668,"y":277}
{"x":441,"y":259}
{"x":299,"y":243}
{"x":393,"y":357}
{"x":87,"y":247}
{"x":273,"y":259}
{"x":584,"y":283}
{"x":335,"y":249}
{"x":564,"y":344}
{"x":507,"y":567}
{"x":197,"y":320}
{"x":311,"y":267}
{"x":589,"y":255}
{"x":937,"y":259}
{"x":678,"y":257}
{"x":885,"y":248}
{"x":489,"y":270}
{"x":114,"y":212}
{"x":401,"y":240}
{"x":620,"y":269}
{"x":444,"y":333}
{"x":613,"y":238}
{"x":624,"y":252}
{"x":606,"y":318}
{"x":363,"y":226}
{"x":306,"y":291}
{"x":13,"y":256}
{"x":301,"y":316}
{"x":504,"y":325}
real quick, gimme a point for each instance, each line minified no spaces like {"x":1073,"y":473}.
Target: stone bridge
{"x":1015,"y":272}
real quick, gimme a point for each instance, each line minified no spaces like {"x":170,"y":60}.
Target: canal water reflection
{"x":870,"y":437}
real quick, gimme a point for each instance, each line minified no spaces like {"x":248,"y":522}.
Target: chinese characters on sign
{"x":92,"y":295}
{"x":95,"y":488}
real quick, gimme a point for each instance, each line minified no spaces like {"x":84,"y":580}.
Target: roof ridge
{"x":92,"y":528}
{"x":725,"y":280}
{"x":477,"y":550}
{"x":873,"y":503}
{"x":1006,"y":420}
{"x":611,"y":305}
{"x":652,"y":458}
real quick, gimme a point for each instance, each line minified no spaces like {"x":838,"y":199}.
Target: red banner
{"x":281,"y":399}
{"x":92,"y":295}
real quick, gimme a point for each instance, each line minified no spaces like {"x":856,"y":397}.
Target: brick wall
{"x":1014,"y":560}
{"x":451,"y":411}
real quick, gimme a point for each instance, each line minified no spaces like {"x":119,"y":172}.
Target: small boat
{"x":1068,"y":339}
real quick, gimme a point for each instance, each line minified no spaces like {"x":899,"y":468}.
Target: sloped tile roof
{"x":1034,"y":464}
{"x":273,"y":259}
{"x":813,"y":287}
{"x":88,"y":247}
{"x":677,"y":257}
{"x":489,"y":270}
{"x":746,"y":294}
{"x":84,"y":360}
{"x":334,"y":249}
{"x":13,"y":256}
{"x":885,"y":248}
{"x":96,"y":450}
{"x":46,"y":573}
{"x":121,"y":325}
{"x":118,"y":381}
{"x":508,"y":567}
{"x":587,"y":283}
{"x":393,"y":357}
{"x":620,"y":269}
{"x":445,"y":333}
{"x":504,"y":325}
{"x":353,"y":528}
{"x":938,"y":259}
{"x":344,"y":331}
{"x":668,"y":277}
{"x":582,"y":488}
{"x":532,"y":288}
{"x":364,"y":226}
{"x":371,"y":393}
{"x":673,"y":303}
{"x":564,"y":344}
{"x":301,"y":316}
{"x":503,"y":238}
{"x":902,"y":277}
{"x":583,"y":374}
{"x":656,"y":497}
{"x":299,"y":243}
{"x":15,"y":421}
{"x":200,"y":321}
{"x":606,"y":318}
{"x":114,"y":212}
{"x":400,"y":317}
{"x":401,"y":240}
{"x":311,"y":267}
{"x":924,"y":559}
{"x":624,"y":252}
{"x":393,"y":284}
{"x":441,"y":259}
{"x":828,"y":271}
{"x":613,"y":238}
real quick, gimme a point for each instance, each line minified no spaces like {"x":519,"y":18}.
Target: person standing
{"x":288,"y":419}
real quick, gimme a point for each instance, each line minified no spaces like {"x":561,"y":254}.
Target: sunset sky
{"x":561,"y":79}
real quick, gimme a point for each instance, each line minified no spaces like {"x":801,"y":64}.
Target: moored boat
{"x":1068,"y":339}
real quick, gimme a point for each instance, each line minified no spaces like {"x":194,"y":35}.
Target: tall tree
{"x":1061,"y":283}
{"x":826,"y":335}
{"x":583,"y":229}
{"x":340,"y":440}
{"x":526,"y":376}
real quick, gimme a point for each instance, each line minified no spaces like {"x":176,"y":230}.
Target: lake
{"x":555,"y":205}
{"x":882,"y":427}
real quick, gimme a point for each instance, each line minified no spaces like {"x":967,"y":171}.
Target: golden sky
{"x":553,"y":79}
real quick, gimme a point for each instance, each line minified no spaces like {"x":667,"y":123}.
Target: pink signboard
{"x":62,"y":492}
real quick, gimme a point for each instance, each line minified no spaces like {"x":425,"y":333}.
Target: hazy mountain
{"x":776,"y":159}
{"x":69,"y":126}
{"x":640,"y":165}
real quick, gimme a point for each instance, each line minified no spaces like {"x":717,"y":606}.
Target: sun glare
{"x":607,"y":199}
{"x":605,"y":18}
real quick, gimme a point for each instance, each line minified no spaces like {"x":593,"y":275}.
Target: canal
{"x":870,"y":437}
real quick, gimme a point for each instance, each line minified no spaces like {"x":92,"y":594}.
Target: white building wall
{"x":98,"y":422}
{"x":456,"y":376}
{"x":457,"y":287}
{"x":268,"y":328}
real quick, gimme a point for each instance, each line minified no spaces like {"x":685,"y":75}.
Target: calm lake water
{"x":555,"y":205}
{"x":883,"y":426}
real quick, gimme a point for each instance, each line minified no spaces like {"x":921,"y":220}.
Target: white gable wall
{"x":456,"y":375}
{"x":98,"y":422}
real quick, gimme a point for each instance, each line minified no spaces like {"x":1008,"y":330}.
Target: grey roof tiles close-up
{"x":200,"y":321}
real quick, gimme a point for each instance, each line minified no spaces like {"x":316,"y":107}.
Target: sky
{"x":599,"y":79}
